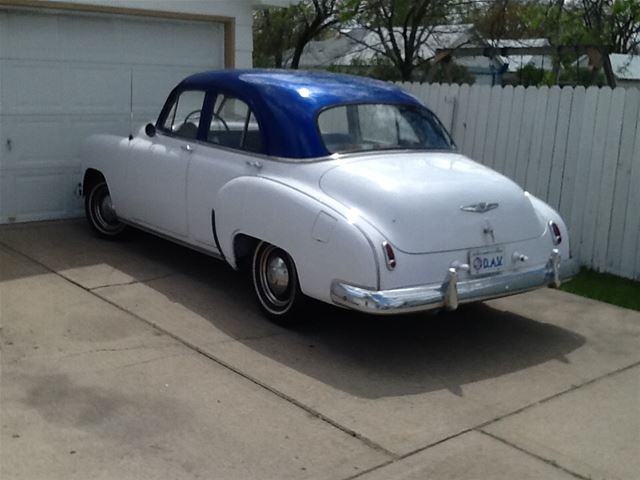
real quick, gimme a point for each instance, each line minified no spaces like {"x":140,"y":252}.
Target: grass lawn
{"x":606,"y":288}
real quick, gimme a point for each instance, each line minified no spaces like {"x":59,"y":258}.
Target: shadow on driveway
{"x":365,"y":356}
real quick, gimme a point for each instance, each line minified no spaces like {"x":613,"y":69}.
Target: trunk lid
{"x":416,"y":200}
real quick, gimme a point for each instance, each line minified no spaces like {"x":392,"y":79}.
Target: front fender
{"x":322,"y":243}
{"x":107,"y":154}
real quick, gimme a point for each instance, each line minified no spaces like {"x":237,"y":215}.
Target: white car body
{"x":333,"y":215}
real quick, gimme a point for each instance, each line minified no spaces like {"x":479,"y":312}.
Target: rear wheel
{"x":275,"y":282}
{"x":101,"y":214}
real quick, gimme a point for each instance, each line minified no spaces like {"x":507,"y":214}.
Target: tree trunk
{"x":297,"y":53}
{"x":406,"y":71}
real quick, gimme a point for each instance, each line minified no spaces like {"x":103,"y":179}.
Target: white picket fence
{"x":576,"y":148}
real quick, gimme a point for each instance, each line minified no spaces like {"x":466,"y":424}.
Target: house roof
{"x":359,"y":45}
{"x":514,"y":62}
{"x":625,"y":67}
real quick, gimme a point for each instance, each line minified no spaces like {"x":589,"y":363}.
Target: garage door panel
{"x":151,"y":86}
{"x":173,"y":43}
{"x":42,"y":195}
{"x":29,"y":87}
{"x":23,"y":44}
{"x":204,"y":43}
{"x":66,"y":76}
{"x":54,"y":88}
{"x":93,"y":39}
{"x":6,"y":190}
{"x":38,"y":142}
{"x":35,"y":142}
{"x":4,"y":35}
{"x":96,"y":89}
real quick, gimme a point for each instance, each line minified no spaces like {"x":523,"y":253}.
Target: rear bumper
{"x":452,"y":292}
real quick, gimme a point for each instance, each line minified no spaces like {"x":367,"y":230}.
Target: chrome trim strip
{"x":452,"y":292}
{"x":302,"y":161}
{"x":182,"y":243}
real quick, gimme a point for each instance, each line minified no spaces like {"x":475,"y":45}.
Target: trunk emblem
{"x":479,"y":207}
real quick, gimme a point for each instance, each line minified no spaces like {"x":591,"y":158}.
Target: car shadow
{"x":365,"y":356}
{"x":371,"y":356}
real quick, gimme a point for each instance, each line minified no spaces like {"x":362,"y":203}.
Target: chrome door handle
{"x":187,"y":148}
{"x":254,"y":163}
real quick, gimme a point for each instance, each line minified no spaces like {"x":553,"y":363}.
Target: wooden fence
{"x":578,"y":149}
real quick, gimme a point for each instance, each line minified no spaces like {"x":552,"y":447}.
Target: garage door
{"x":64,"y":76}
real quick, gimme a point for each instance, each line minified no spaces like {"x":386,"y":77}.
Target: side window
{"x":184,"y":117}
{"x":233,"y":125}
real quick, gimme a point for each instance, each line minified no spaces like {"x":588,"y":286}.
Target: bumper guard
{"x":453,"y":292}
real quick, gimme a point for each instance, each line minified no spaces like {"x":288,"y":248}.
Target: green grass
{"x":606,"y":288}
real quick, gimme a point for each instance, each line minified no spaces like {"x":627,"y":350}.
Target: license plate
{"x":486,"y":261}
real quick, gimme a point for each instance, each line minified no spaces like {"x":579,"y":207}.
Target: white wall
{"x":576,"y":148}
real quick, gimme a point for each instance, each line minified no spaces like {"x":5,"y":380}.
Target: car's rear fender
{"x":322,"y":242}
{"x":547,"y":214}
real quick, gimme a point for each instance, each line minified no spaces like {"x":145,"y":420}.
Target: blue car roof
{"x":286,"y":102}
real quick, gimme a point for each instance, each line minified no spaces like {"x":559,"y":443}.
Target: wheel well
{"x":243,"y":248}
{"x":91,"y":178}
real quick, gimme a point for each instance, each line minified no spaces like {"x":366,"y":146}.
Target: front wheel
{"x":275,"y":282}
{"x":101,"y":214}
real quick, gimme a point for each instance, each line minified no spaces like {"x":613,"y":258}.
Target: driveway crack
{"x":548,"y":461}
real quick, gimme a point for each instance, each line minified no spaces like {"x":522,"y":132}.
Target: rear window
{"x":363,"y":127}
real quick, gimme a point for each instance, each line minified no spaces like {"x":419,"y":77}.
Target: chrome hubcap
{"x":106,"y":210}
{"x":103,"y":214}
{"x":277,"y":275}
{"x":274,"y":276}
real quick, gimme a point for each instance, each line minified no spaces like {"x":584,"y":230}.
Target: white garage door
{"x":64,"y":76}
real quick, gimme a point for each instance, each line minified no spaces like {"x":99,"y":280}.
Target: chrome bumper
{"x":453,"y":292}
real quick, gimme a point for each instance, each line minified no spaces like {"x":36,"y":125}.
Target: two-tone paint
{"x":333,"y":214}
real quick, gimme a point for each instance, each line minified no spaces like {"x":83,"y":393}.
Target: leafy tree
{"x":401,"y":28}
{"x":607,"y":23}
{"x":280,"y":29}
{"x":500,"y":19}
{"x":613,"y":23}
{"x":272,"y":36}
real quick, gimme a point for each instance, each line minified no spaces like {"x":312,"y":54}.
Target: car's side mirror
{"x":150,"y":129}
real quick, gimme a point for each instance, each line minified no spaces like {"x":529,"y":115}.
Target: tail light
{"x":389,"y":255}
{"x":556,"y":235}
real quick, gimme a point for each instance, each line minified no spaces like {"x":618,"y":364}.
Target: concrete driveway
{"x":142,"y":359}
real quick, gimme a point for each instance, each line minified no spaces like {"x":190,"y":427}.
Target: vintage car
{"x":339,"y":188}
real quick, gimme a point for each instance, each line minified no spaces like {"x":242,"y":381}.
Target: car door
{"x":159,"y":164}
{"x":232,"y":146}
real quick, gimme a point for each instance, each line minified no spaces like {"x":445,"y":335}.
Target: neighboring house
{"x":626,"y":69}
{"x":359,"y":47}
{"x":502,"y":68}
{"x":71,"y":68}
